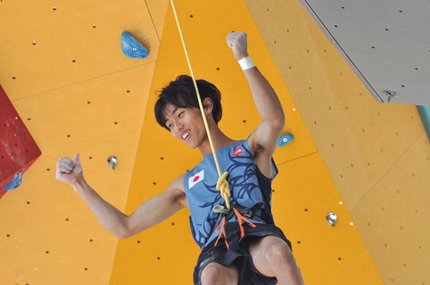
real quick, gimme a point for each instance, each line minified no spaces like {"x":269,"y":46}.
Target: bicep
{"x":157,"y":209}
{"x":263,"y":142}
{"x":264,"y":139}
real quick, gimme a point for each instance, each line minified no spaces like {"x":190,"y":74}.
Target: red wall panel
{"x":18,"y":150}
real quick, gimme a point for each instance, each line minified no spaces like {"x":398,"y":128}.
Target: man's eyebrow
{"x":173,"y":112}
{"x":175,"y":108}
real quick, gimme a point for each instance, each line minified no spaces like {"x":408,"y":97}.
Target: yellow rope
{"x":222,"y":184}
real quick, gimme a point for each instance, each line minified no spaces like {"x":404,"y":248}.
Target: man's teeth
{"x":185,"y":136}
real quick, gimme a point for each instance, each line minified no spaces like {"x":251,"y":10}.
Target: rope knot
{"x":223,"y":187}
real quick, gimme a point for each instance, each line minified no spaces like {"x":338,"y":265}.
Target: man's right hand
{"x":239,"y":44}
{"x":69,"y":170}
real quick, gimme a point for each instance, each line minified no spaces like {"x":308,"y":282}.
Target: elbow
{"x":122,"y":234}
{"x":277,"y":123}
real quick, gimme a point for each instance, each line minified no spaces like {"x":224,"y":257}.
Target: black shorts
{"x":238,"y":253}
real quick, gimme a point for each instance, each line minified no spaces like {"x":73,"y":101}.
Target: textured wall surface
{"x":63,"y":70}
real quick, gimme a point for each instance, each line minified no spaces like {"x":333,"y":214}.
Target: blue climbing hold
{"x":14,"y":183}
{"x":285,"y":139}
{"x":131,"y":47}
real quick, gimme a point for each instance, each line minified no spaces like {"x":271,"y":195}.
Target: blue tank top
{"x":248,"y":187}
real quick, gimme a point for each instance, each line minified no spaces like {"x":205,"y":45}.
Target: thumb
{"x":76,"y":159}
{"x":77,"y":164}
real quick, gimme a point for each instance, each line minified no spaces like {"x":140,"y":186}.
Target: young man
{"x":241,"y":245}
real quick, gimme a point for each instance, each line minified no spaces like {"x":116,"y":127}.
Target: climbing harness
{"x":242,"y":215}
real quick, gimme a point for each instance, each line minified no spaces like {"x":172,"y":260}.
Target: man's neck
{"x":219,"y":140}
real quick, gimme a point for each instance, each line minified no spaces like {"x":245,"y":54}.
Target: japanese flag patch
{"x":193,"y":180}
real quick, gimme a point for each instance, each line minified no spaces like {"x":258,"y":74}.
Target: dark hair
{"x":181,"y":93}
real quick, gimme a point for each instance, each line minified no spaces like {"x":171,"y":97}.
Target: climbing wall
{"x":304,"y":191}
{"x":64,"y":73}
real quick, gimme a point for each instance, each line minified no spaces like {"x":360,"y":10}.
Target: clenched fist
{"x":239,"y":44}
{"x":69,"y":170}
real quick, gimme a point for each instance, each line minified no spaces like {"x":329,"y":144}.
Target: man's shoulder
{"x":178,"y":183}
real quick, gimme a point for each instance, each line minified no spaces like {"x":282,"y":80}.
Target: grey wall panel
{"x":387,"y":43}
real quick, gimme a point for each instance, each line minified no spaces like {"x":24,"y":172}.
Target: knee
{"x":278,"y":253}
{"x":209,"y":274}
{"x":216,"y":274}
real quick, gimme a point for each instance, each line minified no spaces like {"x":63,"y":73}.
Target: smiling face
{"x":182,"y":94}
{"x":185,"y":124}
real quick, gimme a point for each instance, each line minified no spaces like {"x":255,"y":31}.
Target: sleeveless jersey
{"x":248,"y":187}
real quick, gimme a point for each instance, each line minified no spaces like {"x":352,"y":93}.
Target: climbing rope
{"x":222,"y":184}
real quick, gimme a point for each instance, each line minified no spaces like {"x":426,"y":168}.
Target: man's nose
{"x":178,"y":126}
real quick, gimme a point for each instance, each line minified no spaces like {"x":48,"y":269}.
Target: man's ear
{"x":208,"y":105}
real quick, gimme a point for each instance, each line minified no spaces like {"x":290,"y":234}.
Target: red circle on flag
{"x":196,"y":178}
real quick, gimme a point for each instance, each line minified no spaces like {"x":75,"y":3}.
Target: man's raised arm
{"x":263,"y":140}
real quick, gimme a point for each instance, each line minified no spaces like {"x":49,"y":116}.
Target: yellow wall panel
{"x":326,"y":254}
{"x":158,"y":10}
{"x":394,"y":217}
{"x":47,"y":234}
{"x":63,"y":69}
{"x":47,"y":45}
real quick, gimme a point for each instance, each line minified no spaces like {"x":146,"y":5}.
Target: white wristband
{"x":246,"y":63}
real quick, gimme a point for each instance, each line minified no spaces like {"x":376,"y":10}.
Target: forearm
{"x":109,"y":217}
{"x":265,"y":98}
